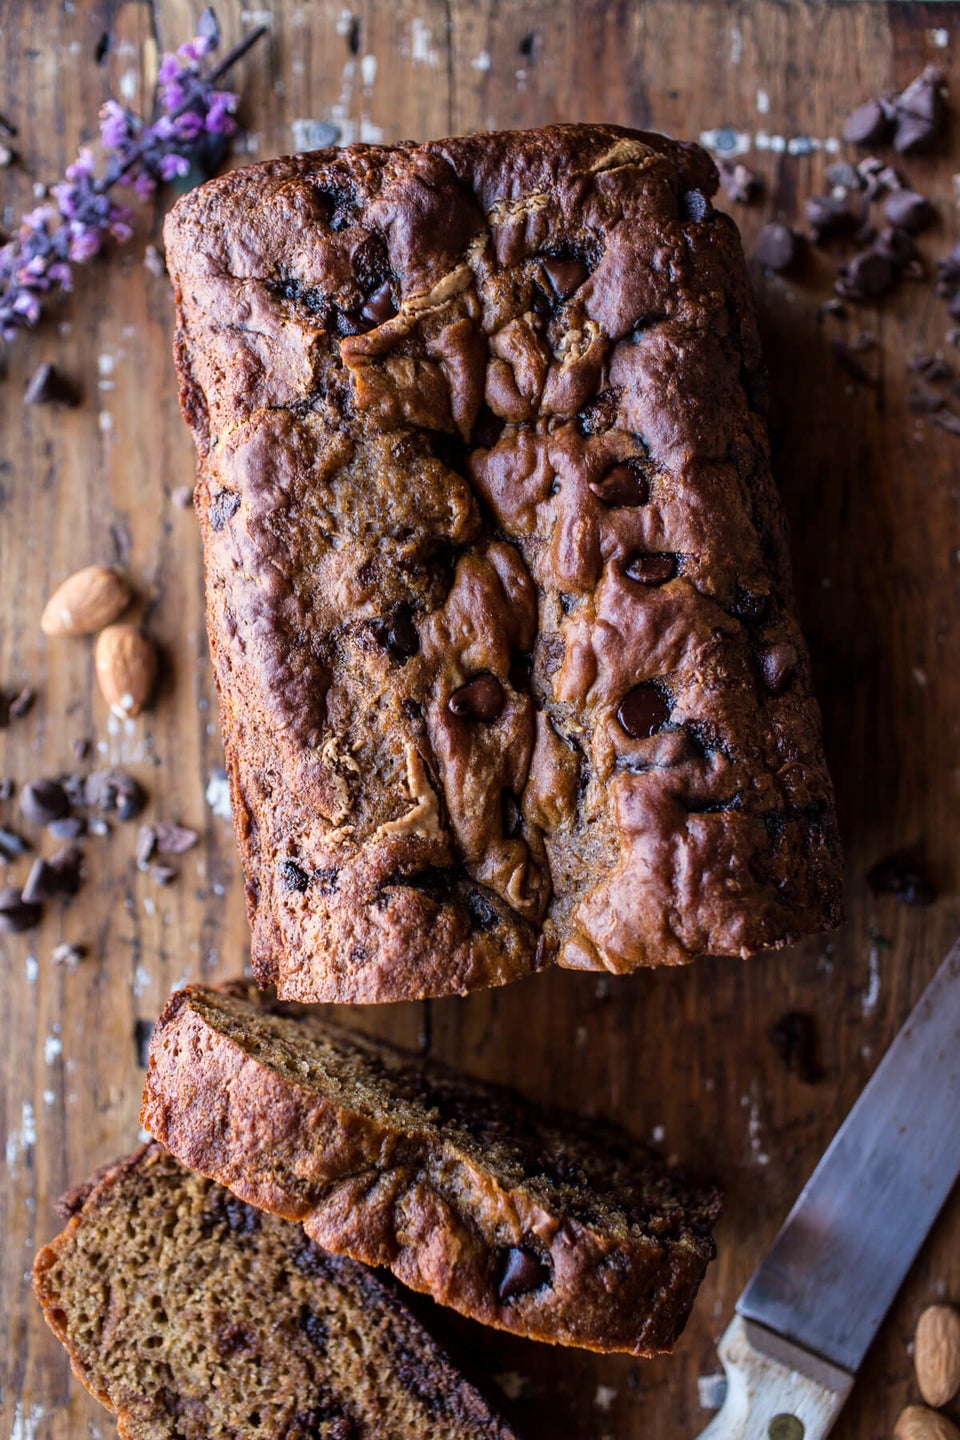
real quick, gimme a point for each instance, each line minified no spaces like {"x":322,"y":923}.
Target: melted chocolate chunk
{"x":778,"y":665}
{"x":622,"y":485}
{"x":565,"y":275}
{"x":223,"y":506}
{"x":293,"y":877}
{"x":750,"y":605}
{"x":488,"y":428}
{"x":399,"y":635}
{"x":482,"y":699}
{"x":651,"y":569}
{"x":644,"y":710}
{"x":379,"y":305}
{"x":520,"y":1272}
{"x":483,"y":915}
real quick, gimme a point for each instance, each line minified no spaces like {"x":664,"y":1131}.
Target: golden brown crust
{"x":498,"y":588}
{"x":533,"y":1221}
{"x":193,"y":1317}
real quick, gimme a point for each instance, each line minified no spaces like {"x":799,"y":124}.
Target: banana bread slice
{"x":192,"y":1316}
{"x":498,"y":588}
{"x":535,"y":1221}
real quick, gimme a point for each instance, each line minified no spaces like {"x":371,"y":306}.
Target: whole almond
{"x":916,"y":1422}
{"x":126,"y":661}
{"x":937,"y":1354}
{"x":85,"y":602}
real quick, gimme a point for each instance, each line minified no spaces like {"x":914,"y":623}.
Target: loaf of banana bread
{"x":554,"y":1227}
{"x":498,"y":589}
{"x":195,"y":1317}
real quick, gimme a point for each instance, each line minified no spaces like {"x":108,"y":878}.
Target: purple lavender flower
{"x":190,"y":131}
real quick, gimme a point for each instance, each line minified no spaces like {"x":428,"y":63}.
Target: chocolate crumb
{"x":42,"y":801}
{"x":482,"y":698}
{"x":48,"y":387}
{"x":794,"y":1037}
{"x":174,"y":839}
{"x":904,"y":876}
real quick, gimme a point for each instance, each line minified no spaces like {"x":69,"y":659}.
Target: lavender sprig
{"x":193,"y":121}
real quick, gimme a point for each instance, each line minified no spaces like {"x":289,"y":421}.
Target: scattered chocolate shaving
{"x":933,"y":368}
{"x":48,"y":387}
{"x":174,"y":839}
{"x":114,"y":790}
{"x":794,"y":1038}
{"x":844,"y":176}
{"x":899,"y":247}
{"x":904,"y":876}
{"x":54,"y":879}
{"x":81,"y":748}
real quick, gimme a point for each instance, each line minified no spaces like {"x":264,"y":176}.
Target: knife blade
{"x":815,"y":1302}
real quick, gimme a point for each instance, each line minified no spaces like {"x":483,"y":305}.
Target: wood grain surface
{"x":682,"y":1058}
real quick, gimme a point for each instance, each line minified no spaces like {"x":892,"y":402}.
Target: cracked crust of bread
{"x":459,"y":1187}
{"x":492,"y":409}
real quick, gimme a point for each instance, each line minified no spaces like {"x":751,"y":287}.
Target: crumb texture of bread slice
{"x":193,"y":1316}
{"x":536,"y":1221}
{"x":498,"y":589}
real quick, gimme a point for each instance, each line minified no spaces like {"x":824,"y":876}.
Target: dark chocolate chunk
{"x":739,"y":182}
{"x":174,"y":839}
{"x":43,"y":800}
{"x":694,"y":205}
{"x":379,"y":306}
{"x":142,"y":1030}
{"x":115,"y":790}
{"x":777,"y":247}
{"x":293,"y":877}
{"x":70,"y":827}
{"x":17,"y":914}
{"x":920,"y":112}
{"x":565,"y":276}
{"x":866,"y":276}
{"x":622,"y":485}
{"x":326,"y":880}
{"x":898,"y":246}
{"x":908,"y":210}
{"x":903,"y":875}
{"x":12,"y":845}
{"x":651,"y":569}
{"x":827,"y":215}
{"x":933,"y":368}
{"x":482,"y":698}
{"x":794,"y":1037}
{"x":399,"y":634}
{"x":869,"y":124}
{"x":47,"y":386}
{"x":223,"y":506}
{"x":778,"y":665}
{"x":644,"y":710}
{"x":483,"y":915}
{"x":521,"y":1271}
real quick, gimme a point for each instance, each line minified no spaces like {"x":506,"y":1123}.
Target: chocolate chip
{"x":482,"y":698}
{"x":908,"y":210}
{"x":293,"y":877}
{"x":739,"y":183}
{"x":651,"y":569}
{"x":932,"y":367}
{"x":142,"y":1030}
{"x":379,"y":306}
{"x":107,"y":790}
{"x":16,"y":914}
{"x":869,"y":124}
{"x":399,"y":634}
{"x":622,"y":485}
{"x":47,"y":386}
{"x":694,"y":205}
{"x":71,"y":827}
{"x":827,"y":216}
{"x":12,"y":845}
{"x":223,"y":506}
{"x":55,"y":879}
{"x":903,"y":875}
{"x":43,"y":800}
{"x":866,"y":276}
{"x":750,"y":605}
{"x":483,"y":915}
{"x":565,"y":275}
{"x":899,"y":247}
{"x":644,"y":710}
{"x":920,"y":112}
{"x":175,"y":839}
{"x":777,"y":247}
{"x":778,"y":665}
{"x":794,"y":1038}
{"x":520,"y":1272}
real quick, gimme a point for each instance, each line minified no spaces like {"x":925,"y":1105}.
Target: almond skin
{"x":85,"y":602}
{"x":126,"y":662}
{"x":916,"y":1422}
{"x":936,"y":1354}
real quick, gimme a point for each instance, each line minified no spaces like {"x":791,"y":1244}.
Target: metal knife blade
{"x":847,"y":1244}
{"x":808,"y":1315}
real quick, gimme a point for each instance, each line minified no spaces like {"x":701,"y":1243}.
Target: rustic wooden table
{"x":683,"y":1058}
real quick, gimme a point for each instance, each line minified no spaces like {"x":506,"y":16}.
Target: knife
{"x":808,"y":1316}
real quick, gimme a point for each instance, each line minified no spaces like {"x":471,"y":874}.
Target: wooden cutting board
{"x":683,"y":1059}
